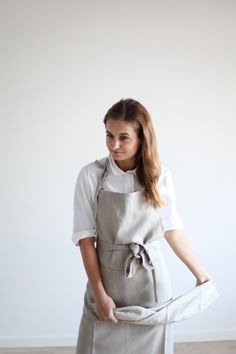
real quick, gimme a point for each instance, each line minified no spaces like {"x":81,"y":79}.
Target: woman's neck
{"x":126,"y":165}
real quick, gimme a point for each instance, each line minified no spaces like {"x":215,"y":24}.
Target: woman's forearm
{"x":104,"y":303}
{"x":180,"y":245}
{"x":92,"y":268}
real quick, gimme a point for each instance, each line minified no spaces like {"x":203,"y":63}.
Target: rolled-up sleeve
{"x":83,"y":208}
{"x":169,"y":216}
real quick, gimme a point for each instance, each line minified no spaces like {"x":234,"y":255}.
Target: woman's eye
{"x":121,"y":138}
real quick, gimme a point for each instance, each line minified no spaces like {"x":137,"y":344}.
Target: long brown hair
{"x":149,"y":167}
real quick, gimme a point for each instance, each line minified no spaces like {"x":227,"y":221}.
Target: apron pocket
{"x":138,"y":290}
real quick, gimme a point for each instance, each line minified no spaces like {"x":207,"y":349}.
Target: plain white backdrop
{"x":63,"y":63}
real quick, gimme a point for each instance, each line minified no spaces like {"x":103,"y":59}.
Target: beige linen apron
{"x":135,"y":276}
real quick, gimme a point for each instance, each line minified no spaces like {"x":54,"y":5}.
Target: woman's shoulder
{"x":92,"y":169}
{"x":164,"y":170}
{"x":165,"y":177}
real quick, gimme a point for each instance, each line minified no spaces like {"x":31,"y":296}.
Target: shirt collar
{"x":118,"y":171}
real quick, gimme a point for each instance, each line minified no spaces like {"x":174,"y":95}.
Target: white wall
{"x":63,"y":64}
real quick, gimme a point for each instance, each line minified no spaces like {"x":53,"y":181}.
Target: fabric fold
{"x":181,"y":308}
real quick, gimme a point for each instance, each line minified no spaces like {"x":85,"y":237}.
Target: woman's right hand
{"x":104,"y":309}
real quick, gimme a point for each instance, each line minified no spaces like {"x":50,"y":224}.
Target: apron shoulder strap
{"x":99,"y":185}
{"x":102,"y":164}
{"x":99,"y":163}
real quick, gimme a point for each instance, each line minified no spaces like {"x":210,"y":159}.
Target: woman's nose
{"x":115,"y":144}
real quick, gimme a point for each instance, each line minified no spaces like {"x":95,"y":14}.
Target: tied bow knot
{"x":137,"y":256}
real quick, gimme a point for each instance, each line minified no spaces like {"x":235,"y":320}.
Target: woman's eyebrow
{"x":119,"y":134}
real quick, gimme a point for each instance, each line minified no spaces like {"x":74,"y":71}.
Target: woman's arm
{"x":180,"y":245}
{"x":104,"y":303}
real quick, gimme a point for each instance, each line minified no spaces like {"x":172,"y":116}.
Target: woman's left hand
{"x":203,"y":278}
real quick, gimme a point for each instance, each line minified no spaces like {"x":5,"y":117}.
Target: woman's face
{"x":121,"y":139}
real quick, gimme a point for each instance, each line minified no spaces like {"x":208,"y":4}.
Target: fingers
{"x":104,"y":310}
{"x":108,"y":317}
{"x":112,"y":317}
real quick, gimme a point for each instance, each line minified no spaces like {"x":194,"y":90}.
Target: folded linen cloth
{"x":180,"y":308}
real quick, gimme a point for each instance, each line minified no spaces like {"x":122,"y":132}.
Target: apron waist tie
{"x":139,"y":254}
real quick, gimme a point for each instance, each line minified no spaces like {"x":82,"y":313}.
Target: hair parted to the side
{"x":149,"y":166}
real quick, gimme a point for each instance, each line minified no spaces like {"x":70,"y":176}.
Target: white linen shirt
{"x":120,"y":181}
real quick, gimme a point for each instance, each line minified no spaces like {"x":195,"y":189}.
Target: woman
{"x":123,"y":204}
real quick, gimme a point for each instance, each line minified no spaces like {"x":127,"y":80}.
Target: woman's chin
{"x":118,"y":156}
